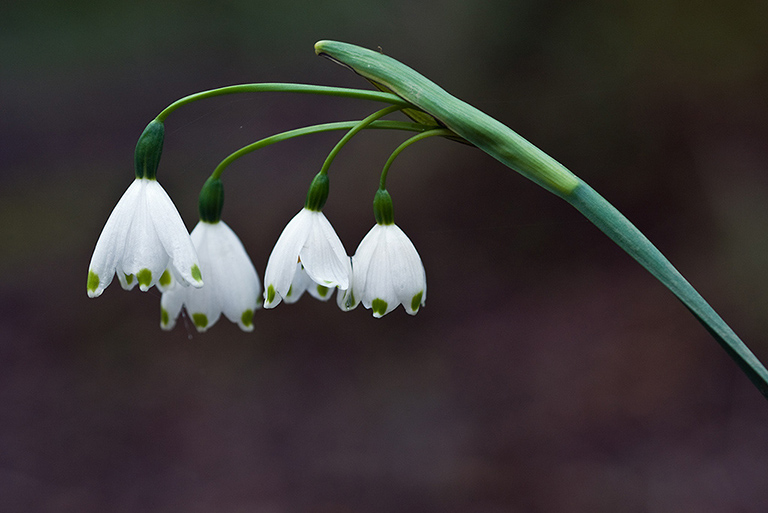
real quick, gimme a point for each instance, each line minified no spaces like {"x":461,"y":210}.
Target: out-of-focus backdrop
{"x":547,"y":372}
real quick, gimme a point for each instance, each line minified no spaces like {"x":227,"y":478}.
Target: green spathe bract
{"x":504,"y":144}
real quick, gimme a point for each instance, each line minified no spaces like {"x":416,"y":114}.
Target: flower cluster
{"x":384,"y":272}
{"x":145,"y":242}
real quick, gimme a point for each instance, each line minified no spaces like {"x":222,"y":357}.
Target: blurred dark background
{"x":548,"y":371}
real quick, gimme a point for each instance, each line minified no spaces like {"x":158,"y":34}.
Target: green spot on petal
{"x":200,"y":320}
{"x":416,"y":301}
{"x":270,"y":294}
{"x":196,"y":273}
{"x":164,"y":319}
{"x":290,"y":291}
{"x":379,"y":306}
{"x":128,"y":279}
{"x":165,"y":278}
{"x":145,"y":277}
{"x":323,"y":291}
{"x":247,"y":318}
{"x":93,"y":281}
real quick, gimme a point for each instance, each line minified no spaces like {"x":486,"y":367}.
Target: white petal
{"x":170,"y":306}
{"x":173,"y":234}
{"x":204,"y":304}
{"x":408,"y":274}
{"x":347,"y":299}
{"x":237,"y":283}
{"x":281,"y":266}
{"x":109,"y":247}
{"x":143,"y":255}
{"x":324,"y":256}
{"x":300,"y":283}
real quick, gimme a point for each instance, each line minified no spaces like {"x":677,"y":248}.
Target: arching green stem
{"x":507,"y":146}
{"x":360,"y":94}
{"x":404,"y":145}
{"x":314,"y":129}
{"x":349,"y":135}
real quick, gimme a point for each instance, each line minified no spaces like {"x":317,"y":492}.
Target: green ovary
{"x":200,"y":320}
{"x":145,"y":277}
{"x":93,"y":281}
{"x":379,"y":306}
{"x":416,"y":301}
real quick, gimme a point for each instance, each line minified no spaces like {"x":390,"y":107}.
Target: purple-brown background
{"x":548,"y":371}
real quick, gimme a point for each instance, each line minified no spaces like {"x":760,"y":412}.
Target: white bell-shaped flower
{"x":232,"y":286}
{"x":143,"y":236}
{"x":387,"y":271}
{"x":308,"y":245}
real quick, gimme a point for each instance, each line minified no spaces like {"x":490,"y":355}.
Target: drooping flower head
{"x":386,"y":268}
{"x":144,"y":234}
{"x":308,"y":249}
{"x":232,"y":286}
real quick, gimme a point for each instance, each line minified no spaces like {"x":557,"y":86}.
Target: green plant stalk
{"x":514,"y":151}
{"x":344,"y":92}
{"x":416,"y":138}
{"x":352,"y":132}
{"x":314,"y":129}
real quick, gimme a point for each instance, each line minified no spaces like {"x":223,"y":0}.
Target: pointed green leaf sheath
{"x":504,"y":144}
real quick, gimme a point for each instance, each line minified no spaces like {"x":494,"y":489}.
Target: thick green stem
{"x":504,"y":144}
{"x":630,"y":239}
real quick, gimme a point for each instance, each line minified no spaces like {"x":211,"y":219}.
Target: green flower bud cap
{"x":211,"y":201}
{"x":382,"y":208}
{"x":318,"y":193}
{"x":148,"y":150}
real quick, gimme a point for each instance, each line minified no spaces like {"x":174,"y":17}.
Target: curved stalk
{"x":360,"y":94}
{"x":514,"y":151}
{"x":314,"y":129}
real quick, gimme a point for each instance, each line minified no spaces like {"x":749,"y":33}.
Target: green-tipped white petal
{"x":308,"y":249}
{"x":173,"y":235}
{"x":143,"y":236}
{"x":323,"y":255}
{"x":299,"y":285}
{"x":347,"y":299}
{"x":232,"y":284}
{"x":387,"y":271}
{"x":109,"y":248}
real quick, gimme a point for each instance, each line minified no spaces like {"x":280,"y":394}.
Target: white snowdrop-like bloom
{"x":232,"y":286}
{"x":143,"y":236}
{"x":308,"y":245}
{"x":387,"y":271}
